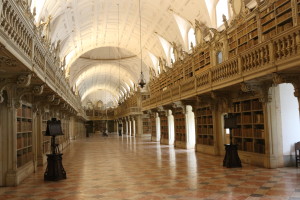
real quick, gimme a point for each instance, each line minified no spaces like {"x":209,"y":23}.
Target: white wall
{"x":290,"y":118}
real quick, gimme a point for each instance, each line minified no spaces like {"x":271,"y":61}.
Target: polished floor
{"x":128,"y":168}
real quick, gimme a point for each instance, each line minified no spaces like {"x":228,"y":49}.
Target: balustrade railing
{"x":16,"y":24}
{"x":262,"y":57}
{"x":256,"y":58}
{"x":225,"y":70}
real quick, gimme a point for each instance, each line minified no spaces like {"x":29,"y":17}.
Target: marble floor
{"x":128,"y":168}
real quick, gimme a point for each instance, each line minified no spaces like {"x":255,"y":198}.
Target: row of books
{"x":284,"y":17}
{"x":268,"y":17}
{"x":165,"y":135}
{"x":283,"y":8}
{"x":180,"y":137}
{"x":248,"y":132}
{"x":24,"y":126}
{"x":204,"y":112}
{"x":24,"y":112}
{"x":205,"y":120}
{"x":259,"y":133}
{"x":248,"y":146}
{"x":23,"y":158}
{"x":259,"y":148}
{"x":285,"y":26}
{"x":268,"y":26}
{"x":205,"y":140}
{"x":279,"y":2}
{"x":258,"y":118}
{"x":247,"y":105}
{"x":205,"y":131}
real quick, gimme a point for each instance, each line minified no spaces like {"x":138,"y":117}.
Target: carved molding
{"x":261,"y":90}
{"x":51,"y":98}
{"x":245,"y":87}
{"x":17,"y":104}
{"x":24,"y":80}
{"x":56,"y":101}
{"x":7,"y":61}
{"x":179,"y":105}
{"x":278,"y":79}
{"x":38,"y":89}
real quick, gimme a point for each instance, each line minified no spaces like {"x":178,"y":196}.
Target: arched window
{"x":219,"y":57}
{"x":191,"y":38}
{"x":172,"y":56}
{"x":221,"y":9}
{"x":158,"y":69}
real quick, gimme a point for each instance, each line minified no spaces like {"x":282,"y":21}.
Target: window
{"x":158,"y":69}
{"x":219,"y":57}
{"x":191,"y":38}
{"x":172,"y":56}
{"x":221,"y":9}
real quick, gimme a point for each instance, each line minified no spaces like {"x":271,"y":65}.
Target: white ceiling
{"x":88,"y":31}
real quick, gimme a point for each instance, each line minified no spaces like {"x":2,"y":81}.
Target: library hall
{"x":150,"y":99}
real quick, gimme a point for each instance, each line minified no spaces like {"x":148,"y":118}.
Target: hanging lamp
{"x":142,"y":81}
{"x":119,"y":57}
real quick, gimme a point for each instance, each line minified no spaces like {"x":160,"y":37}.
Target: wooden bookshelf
{"x":146,"y":125}
{"x":164,"y":129}
{"x":201,"y":59}
{"x":46,"y":139}
{"x":250,"y":133}
{"x":65,"y":129}
{"x":180,"y":130}
{"x":276,"y":18}
{"x":243,"y":37}
{"x":177,"y":75}
{"x":188,"y":68}
{"x":205,"y":127}
{"x":298,"y":11}
{"x":24,"y":134}
{"x":153,"y":126}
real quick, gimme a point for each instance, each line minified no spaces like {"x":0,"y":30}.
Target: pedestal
{"x":231,"y":158}
{"x":55,"y":170}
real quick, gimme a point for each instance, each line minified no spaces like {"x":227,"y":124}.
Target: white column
{"x":130,"y":127}
{"x":171,"y":128}
{"x":139,"y":125}
{"x":157,"y":120}
{"x":127,"y":126}
{"x":133,"y":127}
{"x":190,"y":128}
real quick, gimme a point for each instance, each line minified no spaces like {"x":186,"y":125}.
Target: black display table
{"x":55,"y":170}
{"x":231,"y":158}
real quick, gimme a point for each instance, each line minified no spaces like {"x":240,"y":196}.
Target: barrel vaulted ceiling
{"x":100,"y":68}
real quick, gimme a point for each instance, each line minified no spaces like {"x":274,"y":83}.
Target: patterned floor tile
{"x":126,"y":168}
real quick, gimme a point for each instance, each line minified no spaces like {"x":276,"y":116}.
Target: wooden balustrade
{"x":225,"y":70}
{"x":13,"y":25}
{"x":286,"y":45}
{"x":188,"y":86}
{"x":203,"y":79}
{"x":175,"y":92}
{"x":255,"y":58}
